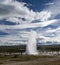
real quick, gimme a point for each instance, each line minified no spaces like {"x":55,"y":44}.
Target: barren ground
{"x":40,"y":61}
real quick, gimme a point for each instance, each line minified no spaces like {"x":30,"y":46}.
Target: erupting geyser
{"x":31,"y":48}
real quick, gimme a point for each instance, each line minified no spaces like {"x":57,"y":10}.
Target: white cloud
{"x":14,"y":11}
{"x":53,"y":30}
{"x":55,"y":8}
{"x":13,"y":19}
{"x":16,"y":39}
{"x":28,"y":25}
{"x":53,"y":33}
{"x":50,"y":3}
{"x":43,"y":16}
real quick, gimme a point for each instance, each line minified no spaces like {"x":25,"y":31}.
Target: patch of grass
{"x":19,"y":58}
{"x":46,"y":56}
{"x":23,"y":57}
{"x":4,"y":57}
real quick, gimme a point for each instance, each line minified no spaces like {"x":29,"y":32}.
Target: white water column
{"x":31,"y":48}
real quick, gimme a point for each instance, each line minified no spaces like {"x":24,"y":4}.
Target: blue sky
{"x":19,"y":17}
{"x":36,"y":5}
